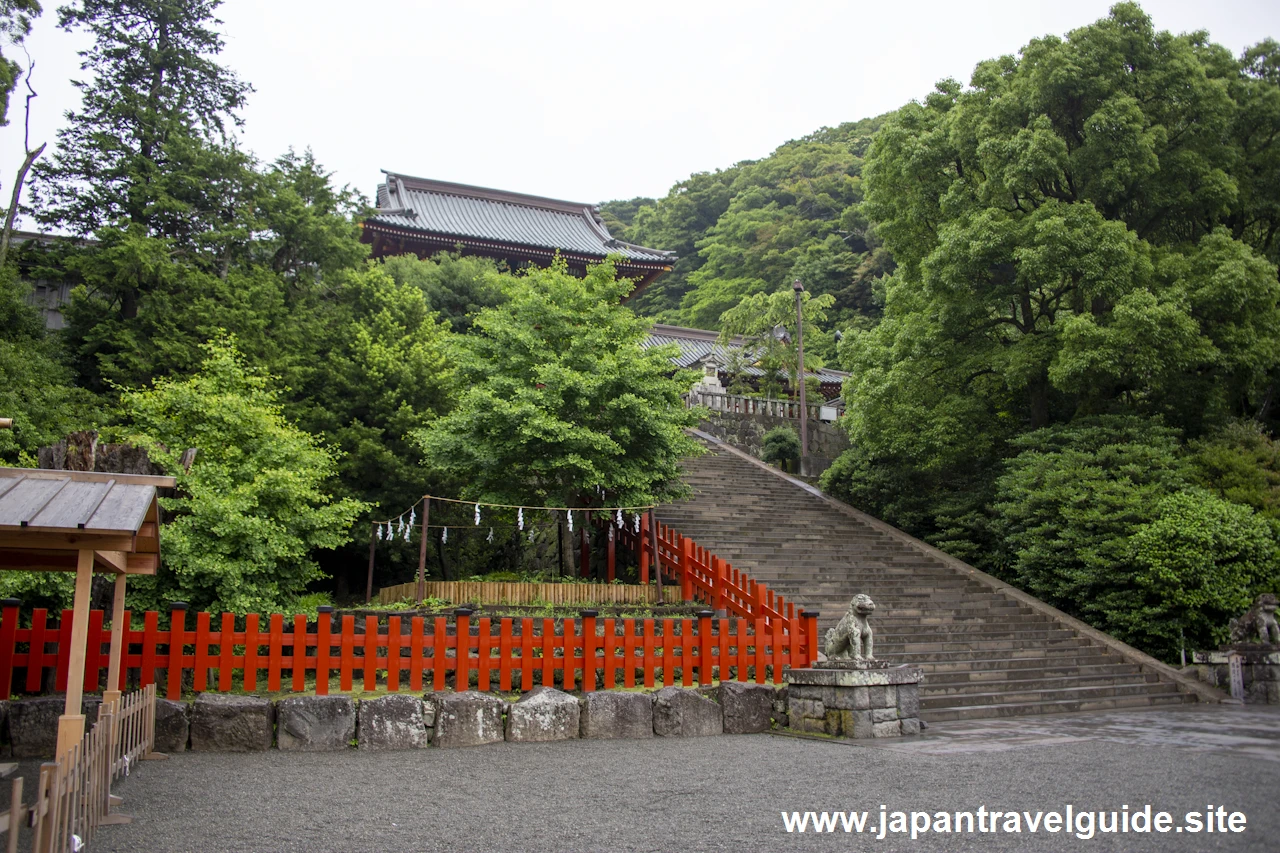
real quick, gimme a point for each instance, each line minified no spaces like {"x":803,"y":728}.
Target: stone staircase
{"x":985,"y":652}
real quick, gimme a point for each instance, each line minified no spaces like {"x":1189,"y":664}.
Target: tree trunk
{"x":13,"y":203}
{"x":567,"y":562}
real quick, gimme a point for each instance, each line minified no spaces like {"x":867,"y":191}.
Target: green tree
{"x":767,"y":322}
{"x":1071,"y":238}
{"x":255,"y":505}
{"x":560,"y":403}
{"x":1200,"y":562}
{"x":15,"y":25}
{"x":36,"y":387}
{"x":148,"y":149}
{"x":455,"y":286}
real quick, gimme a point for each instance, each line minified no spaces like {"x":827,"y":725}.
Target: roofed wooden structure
{"x":82,"y":522}
{"x":422,"y":217}
{"x":46,"y":517}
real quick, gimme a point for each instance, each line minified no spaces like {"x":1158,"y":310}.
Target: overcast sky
{"x":589,"y":101}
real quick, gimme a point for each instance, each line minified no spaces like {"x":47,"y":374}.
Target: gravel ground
{"x":724,"y":793}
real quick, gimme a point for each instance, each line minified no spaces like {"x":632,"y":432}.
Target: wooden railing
{"x":483,"y":592}
{"x":406,"y":653}
{"x":703,"y":576}
{"x":73,"y":797}
{"x":736,"y":404}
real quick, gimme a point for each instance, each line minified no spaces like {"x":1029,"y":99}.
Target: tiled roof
{"x":457,"y":210}
{"x":697,"y":344}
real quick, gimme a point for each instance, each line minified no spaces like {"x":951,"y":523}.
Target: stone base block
{"x":747,"y":708}
{"x":316,"y":723}
{"x":678,"y":712}
{"x":617,"y":715}
{"x":543,"y":714}
{"x":394,"y":721}
{"x":467,"y":719}
{"x":224,"y":723}
{"x":1259,"y":668}
{"x":173,"y":726}
{"x":33,"y":726}
{"x":856,"y":703}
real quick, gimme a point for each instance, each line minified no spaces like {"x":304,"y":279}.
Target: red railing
{"x":408,"y":653}
{"x":703,"y":576}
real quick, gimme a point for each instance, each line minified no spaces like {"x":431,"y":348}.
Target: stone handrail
{"x":736,"y":404}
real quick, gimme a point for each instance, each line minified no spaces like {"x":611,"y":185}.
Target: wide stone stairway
{"x":984,"y":652}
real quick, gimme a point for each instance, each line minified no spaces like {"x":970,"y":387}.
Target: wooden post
{"x":642,"y":550}
{"x":810,"y":618}
{"x":686,"y":577}
{"x":373,"y":550}
{"x":657,"y":566}
{"x":112,"y":693}
{"x":611,"y":557}
{"x":422,"y":553}
{"x":71,"y":723}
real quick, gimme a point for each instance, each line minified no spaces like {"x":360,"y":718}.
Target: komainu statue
{"x":1258,"y":624}
{"x":851,"y":638}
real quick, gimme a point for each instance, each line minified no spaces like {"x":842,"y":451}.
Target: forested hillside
{"x":1058,"y":291}
{"x":1056,"y":285}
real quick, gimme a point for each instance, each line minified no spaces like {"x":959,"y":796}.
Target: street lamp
{"x":804,"y":409}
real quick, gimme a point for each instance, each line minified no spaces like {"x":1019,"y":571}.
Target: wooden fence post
{"x":810,"y":618}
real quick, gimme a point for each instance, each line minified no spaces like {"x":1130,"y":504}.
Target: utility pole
{"x":804,"y":409}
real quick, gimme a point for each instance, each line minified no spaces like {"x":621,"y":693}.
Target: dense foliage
{"x":561,"y":405}
{"x":1057,"y":288}
{"x":1085,"y":231}
{"x":254,"y":508}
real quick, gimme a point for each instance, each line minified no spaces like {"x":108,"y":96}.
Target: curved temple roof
{"x":496,"y":216}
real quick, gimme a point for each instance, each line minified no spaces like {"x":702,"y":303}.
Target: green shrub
{"x":781,"y":444}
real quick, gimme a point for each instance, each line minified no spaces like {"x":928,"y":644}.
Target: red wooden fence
{"x":703,"y":576}
{"x":505,"y":654}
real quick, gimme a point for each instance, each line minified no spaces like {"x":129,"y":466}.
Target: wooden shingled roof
{"x":46,"y":517}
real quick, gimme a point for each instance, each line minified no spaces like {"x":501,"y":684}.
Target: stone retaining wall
{"x":746,"y":432}
{"x":236,"y":723}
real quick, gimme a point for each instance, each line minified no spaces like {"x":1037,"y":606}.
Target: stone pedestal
{"x":851,"y":700}
{"x":1259,"y":671}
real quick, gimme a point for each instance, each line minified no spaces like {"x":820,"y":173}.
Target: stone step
{"x":1020,"y":709}
{"x":1010,"y":687}
{"x":983,"y":652}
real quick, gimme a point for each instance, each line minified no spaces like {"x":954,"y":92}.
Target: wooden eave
{"x":644,"y":271}
{"x":48,"y":517}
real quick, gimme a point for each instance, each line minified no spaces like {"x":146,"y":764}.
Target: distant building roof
{"x":422,"y":216}
{"x":696,"y":345}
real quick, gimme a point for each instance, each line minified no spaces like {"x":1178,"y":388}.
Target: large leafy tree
{"x":255,"y":505}
{"x":15,"y":24}
{"x":148,"y":150}
{"x":1078,"y":232}
{"x":560,"y":403}
{"x":1098,"y":517}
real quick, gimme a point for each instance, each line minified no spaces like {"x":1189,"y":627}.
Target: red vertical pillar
{"x":810,"y":618}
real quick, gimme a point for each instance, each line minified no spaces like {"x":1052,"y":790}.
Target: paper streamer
{"x":570,"y":516}
{"x":520,"y":518}
{"x":477,"y":515}
{"x":444,"y":535}
{"x":490,"y":536}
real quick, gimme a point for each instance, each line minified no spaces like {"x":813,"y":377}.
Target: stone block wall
{"x":854,"y":703}
{"x":236,"y":723}
{"x":746,"y":432}
{"x":1259,"y":666}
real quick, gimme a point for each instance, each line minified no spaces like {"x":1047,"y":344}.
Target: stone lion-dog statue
{"x":851,"y":638}
{"x":1259,"y":621}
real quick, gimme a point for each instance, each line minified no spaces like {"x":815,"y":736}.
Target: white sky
{"x":589,"y":101}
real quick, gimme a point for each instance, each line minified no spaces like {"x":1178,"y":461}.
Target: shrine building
{"x":422,"y":217}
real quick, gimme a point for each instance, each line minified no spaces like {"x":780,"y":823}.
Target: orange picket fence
{"x":409,"y":653}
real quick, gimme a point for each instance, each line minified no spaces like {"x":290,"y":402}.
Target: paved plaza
{"x":724,"y":793}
